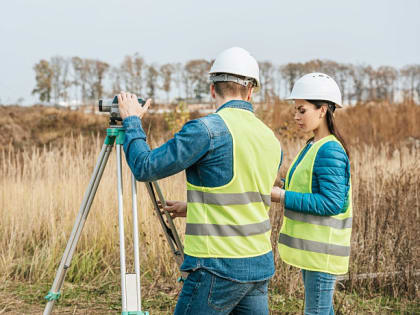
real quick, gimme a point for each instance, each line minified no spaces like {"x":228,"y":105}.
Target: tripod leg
{"x":177,"y":248}
{"x":170,"y":220}
{"x":169,"y":231}
{"x":77,"y":228}
{"x":130,"y":283}
{"x":136,"y":241}
{"x":121,"y":229}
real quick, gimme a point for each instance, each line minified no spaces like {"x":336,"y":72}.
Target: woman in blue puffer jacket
{"x":316,"y":230}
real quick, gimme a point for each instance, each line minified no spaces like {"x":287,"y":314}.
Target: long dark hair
{"x":332,"y":128}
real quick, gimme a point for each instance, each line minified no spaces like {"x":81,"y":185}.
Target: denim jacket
{"x":204,"y":148}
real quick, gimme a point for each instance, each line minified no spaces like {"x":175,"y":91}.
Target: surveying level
{"x":110,"y":105}
{"x":130,"y":282}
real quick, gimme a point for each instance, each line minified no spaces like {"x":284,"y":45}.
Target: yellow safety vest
{"x":231,"y":221}
{"x":311,"y":242}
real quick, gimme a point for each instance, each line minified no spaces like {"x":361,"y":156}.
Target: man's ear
{"x":249,"y":95}
{"x":212,"y":91}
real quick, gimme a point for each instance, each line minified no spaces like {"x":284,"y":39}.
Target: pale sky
{"x":375,"y":32}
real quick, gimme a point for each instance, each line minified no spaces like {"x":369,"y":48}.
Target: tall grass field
{"x":44,"y":174}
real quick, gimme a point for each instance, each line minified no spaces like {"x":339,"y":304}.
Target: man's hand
{"x":129,"y":105}
{"x":176,"y":208}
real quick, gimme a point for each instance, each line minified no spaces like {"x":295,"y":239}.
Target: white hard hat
{"x":236,"y":61}
{"x":316,"y":86}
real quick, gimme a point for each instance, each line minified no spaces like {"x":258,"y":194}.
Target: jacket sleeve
{"x":330,"y":184}
{"x":184,"y":149}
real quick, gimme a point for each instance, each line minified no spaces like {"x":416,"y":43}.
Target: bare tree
{"x":43,"y":77}
{"x":370,"y":73}
{"x":151,"y":80}
{"x":279,"y":82}
{"x":410,"y":76}
{"x":329,"y":67}
{"x":342,"y":75}
{"x":115,"y":77}
{"x":99,"y":68}
{"x":316,"y":65}
{"x":60,"y":82}
{"x":357,"y":78}
{"x":291,"y":72}
{"x":385,"y":78}
{"x":89,"y":74}
{"x":166,"y":72}
{"x":197,"y":76}
{"x":131,"y":73}
{"x":267,"y":79}
{"x":186,"y":81}
{"x":178,"y":77}
{"x":80,"y":77}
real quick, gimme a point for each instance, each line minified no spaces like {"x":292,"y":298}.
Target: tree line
{"x":65,"y":79}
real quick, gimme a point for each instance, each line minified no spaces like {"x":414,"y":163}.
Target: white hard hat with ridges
{"x":237,"y":61}
{"x":316,"y":86}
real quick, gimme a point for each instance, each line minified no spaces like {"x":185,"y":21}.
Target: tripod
{"x":130,"y":283}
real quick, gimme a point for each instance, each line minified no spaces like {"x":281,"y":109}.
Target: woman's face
{"x":307,"y":116}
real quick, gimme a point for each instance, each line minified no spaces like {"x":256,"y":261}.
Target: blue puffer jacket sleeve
{"x":330,"y":184}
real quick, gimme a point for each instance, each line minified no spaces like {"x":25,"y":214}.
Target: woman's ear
{"x":323,"y":111}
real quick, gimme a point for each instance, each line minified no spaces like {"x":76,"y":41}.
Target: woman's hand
{"x":277,"y":194}
{"x":175,"y":208}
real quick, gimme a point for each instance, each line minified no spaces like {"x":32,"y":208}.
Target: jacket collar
{"x":237,"y":104}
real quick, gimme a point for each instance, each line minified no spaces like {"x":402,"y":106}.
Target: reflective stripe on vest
{"x":231,"y":221}
{"x":228,"y":199}
{"x":319,"y":220}
{"x":228,"y":230}
{"x":311,"y":242}
{"x":314,"y":246}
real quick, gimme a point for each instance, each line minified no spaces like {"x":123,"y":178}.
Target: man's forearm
{"x":135,"y":145}
{"x":147,"y":165}
{"x":174,"y":156}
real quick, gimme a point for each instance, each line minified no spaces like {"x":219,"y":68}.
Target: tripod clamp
{"x":51,"y":296}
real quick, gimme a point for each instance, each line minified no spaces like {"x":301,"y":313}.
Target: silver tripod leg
{"x":136,"y":241}
{"x":77,"y":228}
{"x":130,"y":283}
{"x":121,"y":229}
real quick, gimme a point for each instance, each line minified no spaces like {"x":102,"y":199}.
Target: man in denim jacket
{"x":233,"y":276}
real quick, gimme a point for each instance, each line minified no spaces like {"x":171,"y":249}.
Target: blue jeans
{"x":205,"y":293}
{"x":319,"y":290}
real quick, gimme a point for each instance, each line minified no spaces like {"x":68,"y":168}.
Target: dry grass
{"x":41,"y":189}
{"x":41,"y":193}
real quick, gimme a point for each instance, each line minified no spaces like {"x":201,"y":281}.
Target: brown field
{"x":46,"y":159}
